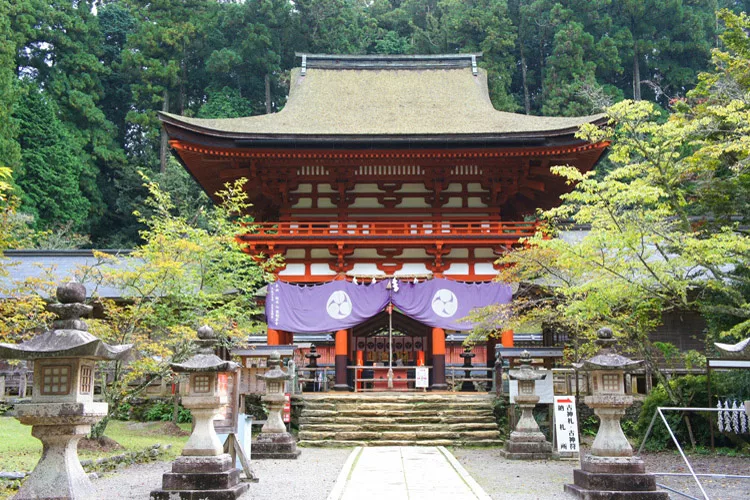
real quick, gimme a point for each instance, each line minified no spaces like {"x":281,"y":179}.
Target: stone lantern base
{"x":275,"y":445}
{"x":201,"y":478}
{"x":614,"y":478}
{"x":527,"y":446}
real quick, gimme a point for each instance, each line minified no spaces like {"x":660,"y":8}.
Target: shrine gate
{"x":390,"y":185}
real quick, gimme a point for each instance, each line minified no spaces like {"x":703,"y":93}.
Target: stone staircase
{"x":397,"y":419}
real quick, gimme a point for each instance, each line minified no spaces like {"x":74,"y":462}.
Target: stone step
{"x":368,"y":426}
{"x":393,"y":416}
{"x":443,"y":406}
{"x":375,"y":411}
{"x":397,"y":435}
{"x":392,"y":420}
{"x":439,"y":442}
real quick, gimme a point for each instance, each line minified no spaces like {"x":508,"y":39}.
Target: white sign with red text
{"x":566,"y":424}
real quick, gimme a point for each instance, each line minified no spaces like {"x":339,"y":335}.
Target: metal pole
{"x":648,"y":431}
{"x":390,"y":346}
{"x":679,"y":448}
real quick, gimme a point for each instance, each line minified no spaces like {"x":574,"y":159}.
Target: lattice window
{"x":611,"y":383}
{"x":202,"y":384}
{"x":56,"y":380}
{"x":87,"y":376}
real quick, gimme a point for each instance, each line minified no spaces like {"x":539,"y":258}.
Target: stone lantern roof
{"x":525,"y":372}
{"x":205,"y":360}
{"x":69,"y":336}
{"x":607,"y":357}
{"x":275,"y":372}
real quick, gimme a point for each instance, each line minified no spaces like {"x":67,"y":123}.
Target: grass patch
{"x":20,"y":451}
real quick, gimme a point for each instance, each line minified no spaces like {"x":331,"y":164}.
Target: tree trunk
{"x":164,"y":150}
{"x":526,"y":99}
{"x":268,"y":94}
{"x":97,"y":429}
{"x":176,"y":404}
{"x":636,"y":74}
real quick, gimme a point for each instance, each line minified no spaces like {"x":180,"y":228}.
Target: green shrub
{"x":155,"y":410}
{"x":693,"y":392}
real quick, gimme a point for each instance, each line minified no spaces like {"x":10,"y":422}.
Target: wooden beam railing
{"x":400,"y":229}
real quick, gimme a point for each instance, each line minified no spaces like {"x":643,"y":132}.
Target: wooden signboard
{"x":226,"y":421}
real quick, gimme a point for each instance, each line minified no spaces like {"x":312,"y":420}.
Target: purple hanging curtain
{"x":337,"y":305}
{"x":445,"y":304}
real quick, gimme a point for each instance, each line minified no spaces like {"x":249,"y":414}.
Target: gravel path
{"x":505,"y":479}
{"x":310,"y":477}
{"x":313,"y":474}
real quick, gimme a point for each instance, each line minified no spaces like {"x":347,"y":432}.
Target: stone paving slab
{"x":404,"y":473}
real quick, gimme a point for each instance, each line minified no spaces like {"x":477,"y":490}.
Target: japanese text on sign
{"x":422,"y":377}
{"x":287,"y":413}
{"x":566,"y":424}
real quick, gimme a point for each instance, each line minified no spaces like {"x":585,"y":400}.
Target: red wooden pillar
{"x":342,"y":352}
{"x":438,"y":360}
{"x":274,"y":336}
{"x":506,"y":338}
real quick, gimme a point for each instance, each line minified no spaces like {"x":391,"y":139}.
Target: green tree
{"x":184,"y":274}
{"x":9,"y":149}
{"x":52,"y":173}
{"x":659,"y":241}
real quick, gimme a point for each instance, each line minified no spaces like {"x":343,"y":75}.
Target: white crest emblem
{"x":444,"y":303}
{"x":339,"y":305}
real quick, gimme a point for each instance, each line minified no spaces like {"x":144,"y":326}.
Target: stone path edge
{"x":465,"y":476}
{"x":346,"y":470}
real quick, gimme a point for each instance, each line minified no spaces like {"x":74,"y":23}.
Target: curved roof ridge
{"x":375,"y":101}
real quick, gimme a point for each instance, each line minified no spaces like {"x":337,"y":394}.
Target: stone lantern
{"x":62,"y":407}
{"x":527,"y":442}
{"x":610,"y":466}
{"x":312,"y":362}
{"x":467,"y":385}
{"x":274,"y":441}
{"x":203,"y":471}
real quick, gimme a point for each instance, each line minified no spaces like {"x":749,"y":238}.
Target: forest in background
{"x":81,"y":81}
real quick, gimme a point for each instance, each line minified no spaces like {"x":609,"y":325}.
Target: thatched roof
{"x":380,"y":96}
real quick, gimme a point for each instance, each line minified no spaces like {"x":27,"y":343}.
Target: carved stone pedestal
{"x":201,"y":478}
{"x":59,"y":474}
{"x":527,"y":442}
{"x":281,"y":445}
{"x":614,"y":478}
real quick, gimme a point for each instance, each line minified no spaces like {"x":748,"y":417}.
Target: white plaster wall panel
{"x":366,"y":268}
{"x":325,"y":188}
{"x":453,"y":202}
{"x":475,"y":202}
{"x":412,"y":187}
{"x":320,"y":253}
{"x":412,"y":268}
{"x":293,"y":270}
{"x":303,"y":188}
{"x":484,"y":268}
{"x":413,"y":203}
{"x":415,"y":253}
{"x":484,"y":253}
{"x":325,"y":203}
{"x":295,"y":254}
{"x":366,"y":188}
{"x":321,"y":269}
{"x":365,"y":253}
{"x":458,"y":253}
{"x":303,"y":203}
{"x":454,"y":187}
{"x":364,"y":202}
{"x":474,"y":187}
{"x":457,"y":268}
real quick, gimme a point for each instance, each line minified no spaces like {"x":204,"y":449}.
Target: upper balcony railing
{"x":352,"y":230}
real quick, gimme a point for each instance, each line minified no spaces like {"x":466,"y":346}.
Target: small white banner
{"x":422,"y":376}
{"x":566,"y":424}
